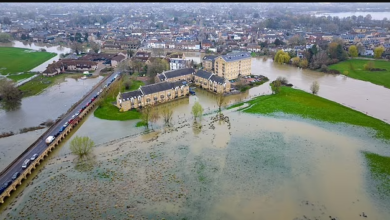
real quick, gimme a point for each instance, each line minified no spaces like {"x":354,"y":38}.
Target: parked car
{"x":66,"y":124}
{"x":61,"y":130}
{"x":77,"y":114}
{"x":15,"y":176}
{"x":34,"y":157}
{"x":5,"y":186}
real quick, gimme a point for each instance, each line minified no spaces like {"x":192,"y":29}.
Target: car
{"x":65,"y":125}
{"x":95,"y":96}
{"x":101,"y":90}
{"x":57,"y":134}
{"x":73,"y":116}
{"x":70,"y":121}
{"x":105,"y":86}
{"x":26,"y":163}
{"x":5,"y":185}
{"x":62,"y":129}
{"x":2,"y":189}
{"x":77,"y":114}
{"x":93,"y":99}
{"x":15,"y":176}
{"x":34,"y":156}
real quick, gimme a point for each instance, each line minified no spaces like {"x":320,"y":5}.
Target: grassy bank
{"x":15,"y":60}
{"x":20,"y":76}
{"x":306,"y":105}
{"x":40,"y":83}
{"x":356,"y":71}
{"x":110,"y":112}
{"x":380,"y":171}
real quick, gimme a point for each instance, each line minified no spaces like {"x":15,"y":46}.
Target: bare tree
{"x":220,"y":101}
{"x":167,"y":116}
{"x":10,"y":95}
{"x":315,"y":87}
{"x":158,"y":52}
{"x":149,"y":114}
{"x":95,"y":46}
{"x":77,"y":47}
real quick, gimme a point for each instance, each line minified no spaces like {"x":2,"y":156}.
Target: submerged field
{"x":355,"y":70}
{"x":40,"y":83}
{"x":15,"y":60}
{"x":225,"y":172}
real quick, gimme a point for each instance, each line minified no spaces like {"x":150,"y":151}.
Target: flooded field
{"x":245,"y":167}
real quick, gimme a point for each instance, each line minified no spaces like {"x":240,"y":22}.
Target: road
{"x":40,"y":146}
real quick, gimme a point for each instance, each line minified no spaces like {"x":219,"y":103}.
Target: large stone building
{"x":232,"y":65}
{"x":211,"y":82}
{"x":152,"y":94}
{"x":208,"y":62}
{"x":175,"y":75}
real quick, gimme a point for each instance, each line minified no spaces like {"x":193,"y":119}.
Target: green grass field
{"x":380,"y":171}
{"x":356,"y":71}
{"x":15,"y":60}
{"x":40,"y":83}
{"x":20,"y":76}
{"x":110,"y":112}
{"x":306,"y":105}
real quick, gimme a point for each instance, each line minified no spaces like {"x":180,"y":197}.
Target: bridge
{"x":41,"y":148}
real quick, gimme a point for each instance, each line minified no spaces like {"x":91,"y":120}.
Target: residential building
{"x":175,"y":75}
{"x":69,"y":65}
{"x":211,"y":82}
{"x":208,"y":62}
{"x":177,"y":63}
{"x":117,"y":59}
{"x":152,"y":94}
{"x":232,"y":65}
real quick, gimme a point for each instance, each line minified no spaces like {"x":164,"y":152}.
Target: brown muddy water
{"x":356,"y":94}
{"x":251,"y":167}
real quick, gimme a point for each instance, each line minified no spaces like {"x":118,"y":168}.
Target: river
{"x":356,"y":94}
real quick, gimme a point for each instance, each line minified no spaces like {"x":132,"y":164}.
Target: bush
{"x":282,"y":80}
{"x":369,"y":66}
{"x":324,"y":68}
{"x":49,"y":122}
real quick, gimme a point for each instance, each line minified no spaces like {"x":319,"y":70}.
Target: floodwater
{"x":52,"y":49}
{"x":246,"y":167}
{"x":356,"y":94}
{"x":50,"y":104}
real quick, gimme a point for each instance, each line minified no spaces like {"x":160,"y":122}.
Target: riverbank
{"x":354,"y":68}
{"x":40,"y":83}
{"x":16,"y":60}
{"x":306,"y":105}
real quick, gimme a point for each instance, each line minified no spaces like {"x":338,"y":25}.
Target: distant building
{"x":232,"y":65}
{"x":177,"y":63}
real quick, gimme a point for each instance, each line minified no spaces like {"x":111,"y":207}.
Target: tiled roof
{"x":159,"y":87}
{"x":203,"y":74}
{"x":209,"y":57}
{"x":217,"y":79}
{"x":235,"y":56}
{"x":128,"y":95}
{"x":179,"y":72}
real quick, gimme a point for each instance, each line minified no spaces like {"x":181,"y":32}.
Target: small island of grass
{"x":108,"y":111}
{"x":354,"y":68}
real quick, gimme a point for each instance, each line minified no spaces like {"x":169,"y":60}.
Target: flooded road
{"x":359,"y":95}
{"x":33,"y":46}
{"x":259,"y":168}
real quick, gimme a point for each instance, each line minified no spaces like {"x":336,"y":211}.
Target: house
{"x":177,"y":63}
{"x":69,"y":65}
{"x":206,"y":44}
{"x":152,"y":94}
{"x":232,"y":65}
{"x":211,"y":82}
{"x":117,"y":59}
{"x":208,"y":62}
{"x":142,"y":56}
{"x":253,"y":48}
{"x":175,"y":75}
